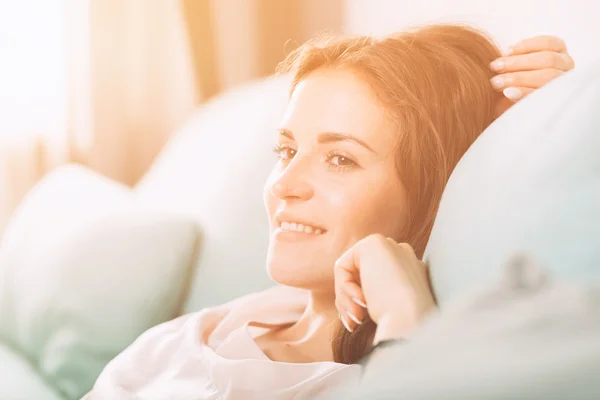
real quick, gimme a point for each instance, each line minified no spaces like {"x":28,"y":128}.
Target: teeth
{"x":297,"y":227}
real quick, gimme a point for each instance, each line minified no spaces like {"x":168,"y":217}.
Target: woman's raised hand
{"x":528,"y":65}
{"x":386,"y":280}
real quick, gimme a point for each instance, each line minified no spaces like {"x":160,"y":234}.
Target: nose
{"x":293,"y":182}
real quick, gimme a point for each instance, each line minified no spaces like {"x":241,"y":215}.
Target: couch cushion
{"x":530,"y":183}
{"x":83,"y":274}
{"x":20,"y":380}
{"x":528,"y":335}
{"x":214,"y":170}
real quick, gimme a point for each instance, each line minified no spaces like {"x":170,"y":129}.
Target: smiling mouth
{"x":288,"y":226}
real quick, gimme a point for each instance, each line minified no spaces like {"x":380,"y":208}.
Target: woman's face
{"x":335,"y":181}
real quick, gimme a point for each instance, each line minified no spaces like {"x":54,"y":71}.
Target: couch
{"x":87,"y":264}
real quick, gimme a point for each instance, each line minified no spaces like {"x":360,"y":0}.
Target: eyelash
{"x":340,"y":168}
{"x":280,"y":151}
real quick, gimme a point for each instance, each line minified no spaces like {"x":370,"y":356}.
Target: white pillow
{"x":83,"y":272}
{"x":529,"y":184}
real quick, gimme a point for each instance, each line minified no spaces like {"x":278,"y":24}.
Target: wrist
{"x":392,"y":327}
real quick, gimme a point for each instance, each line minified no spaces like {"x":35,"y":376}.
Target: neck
{"x":313,"y":331}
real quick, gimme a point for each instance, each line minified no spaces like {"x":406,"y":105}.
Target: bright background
{"x":105,"y":83}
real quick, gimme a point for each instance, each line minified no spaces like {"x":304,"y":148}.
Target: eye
{"x":284,"y":152}
{"x":340,"y":161}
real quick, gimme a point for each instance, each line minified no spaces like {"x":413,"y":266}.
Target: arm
{"x":391,"y":328}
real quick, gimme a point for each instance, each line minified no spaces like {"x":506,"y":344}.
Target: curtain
{"x":33,"y":100}
{"x":99,"y":82}
{"x":105,"y":83}
{"x":235,"y":41}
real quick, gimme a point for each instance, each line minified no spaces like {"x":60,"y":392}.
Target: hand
{"x":386,"y":280}
{"x":527,"y":66}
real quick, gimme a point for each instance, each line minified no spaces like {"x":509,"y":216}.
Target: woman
{"x":372,"y":131}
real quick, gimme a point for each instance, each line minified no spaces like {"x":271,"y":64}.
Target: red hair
{"x":435,"y":82}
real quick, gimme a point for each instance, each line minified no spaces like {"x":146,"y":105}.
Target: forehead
{"x":329,"y":100}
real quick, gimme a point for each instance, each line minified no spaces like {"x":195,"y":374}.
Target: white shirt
{"x":212,"y":354}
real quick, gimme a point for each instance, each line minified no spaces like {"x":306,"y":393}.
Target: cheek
{"x":360,"y":211}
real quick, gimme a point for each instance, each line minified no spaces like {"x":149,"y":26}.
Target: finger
{"x":406,"y":248}
{"x":354,"y":293}
{"x":343,"y":296}
{"x":350,"y":299}
{"x":346,"y":324}
{"x":360,"y":301}
{"x":355,"y":316}
{"x":354,"y":313}
{"x":345,"y":270}
{"x":515,"y":94}
{"x":349,"y":313}
{"x":529,"y":79}
{"x":343,"y":275}
{"x":538,"y":43}
{"x":533,"y":61}
{"x":348,"y":262}
{"x":351,"y":291}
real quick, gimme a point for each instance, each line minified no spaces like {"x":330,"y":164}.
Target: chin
{"x":299,"y":275}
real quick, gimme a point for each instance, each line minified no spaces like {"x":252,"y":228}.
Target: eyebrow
{"x":329,"y":137}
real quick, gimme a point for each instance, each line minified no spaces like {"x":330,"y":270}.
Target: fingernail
{"x":353,"y":318}
{"x":509,"y":51}
{"x":497,"y":65}
{"x":512,"y":93}
{"x":360,"y":303}
{"x":346,"y":324}
{"x":498,"y":82}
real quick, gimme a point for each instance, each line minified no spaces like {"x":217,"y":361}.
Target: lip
{"x":281,"y":217}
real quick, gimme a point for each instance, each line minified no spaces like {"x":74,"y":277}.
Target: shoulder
{"x":270,"y":301}
{"x":192,"y":331}
{"x":129,"y":367}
